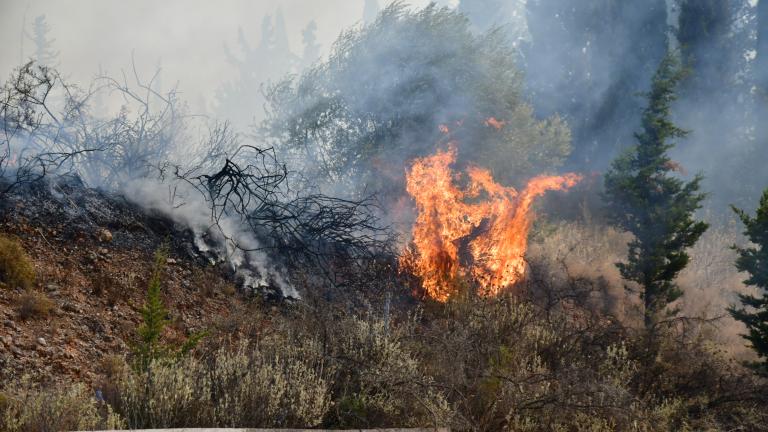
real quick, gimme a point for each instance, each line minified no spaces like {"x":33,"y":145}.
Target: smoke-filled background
{"x":588,"y":64}
{"x":200,"y":45}
{"x":349,"y":92}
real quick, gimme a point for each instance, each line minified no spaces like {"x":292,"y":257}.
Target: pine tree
{"x":760,"y":112}
{"x":646,"y":199}
{"x":711,"y":43}
{"x":754,"y":260}
{"x":242,"y":100}
{"x":716,"y":41}
{"x":154,"y":316}
{"x":44,"y":52}
{"x":571,"y":68}
{"x":311,"y":48}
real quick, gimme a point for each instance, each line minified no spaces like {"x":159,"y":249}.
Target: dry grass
{"x":25,"y":406}
{"x":32,"y":304}
{"x":16,"y":269}
{"x":568,"y":251}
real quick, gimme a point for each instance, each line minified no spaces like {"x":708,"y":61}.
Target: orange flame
{"x":496,"y":124}
{"x":493,"y":226}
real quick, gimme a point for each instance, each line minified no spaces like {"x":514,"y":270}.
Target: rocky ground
{"x":92,"y":255}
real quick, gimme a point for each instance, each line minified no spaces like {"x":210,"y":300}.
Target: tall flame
{"x":485,"y":224}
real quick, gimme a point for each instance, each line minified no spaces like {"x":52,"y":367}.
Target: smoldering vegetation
{"x":308,"y":210}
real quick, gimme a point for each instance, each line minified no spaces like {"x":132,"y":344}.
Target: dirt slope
{"x":92,"y":255}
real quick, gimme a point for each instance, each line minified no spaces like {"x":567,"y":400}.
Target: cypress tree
{"x":754,"y":261}
{"x":154,"y":316}
{"x":646,"y":198}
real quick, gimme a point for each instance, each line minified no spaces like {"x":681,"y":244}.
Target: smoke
{"x":147,"y":152}
{"x":389,"y":88}
{"x":227,"y":238}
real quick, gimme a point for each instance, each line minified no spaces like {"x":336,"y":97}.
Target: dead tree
{"x":313,"y":230}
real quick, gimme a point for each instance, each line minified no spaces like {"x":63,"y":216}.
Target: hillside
{"x":92,"y":255}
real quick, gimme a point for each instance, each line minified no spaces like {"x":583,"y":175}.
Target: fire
{"x":480,"y":230}
{"x":494,"y":123}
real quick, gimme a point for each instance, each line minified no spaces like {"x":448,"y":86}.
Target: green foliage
{"x":645,"y":199}
{"x":379,"y":99}
{"x":149,"y":346}
{"x":754,"y":260}
{"x":16,"y":268}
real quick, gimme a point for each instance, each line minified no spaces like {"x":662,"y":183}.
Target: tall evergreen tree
{"x":311,"y":51}
{"x":242,"y":100}
{"x":280,"y":45}
{"x":754,"y":261}
{"x":703,"y":31}
{"x":571,"y":68}
{"x":645,"y":198}
{"x":715,"y":40}
{"x":44,"y":52}
{"x":760,"y":113}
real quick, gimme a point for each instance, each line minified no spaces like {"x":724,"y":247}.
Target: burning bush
{"x":378,"y":100}
{"x":490,"y":221}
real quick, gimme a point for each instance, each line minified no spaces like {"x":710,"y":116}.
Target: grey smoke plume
{"x":401,"y":87}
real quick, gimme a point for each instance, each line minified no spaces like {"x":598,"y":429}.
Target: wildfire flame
{"x":494,"y":123}
{"x":485,"y":224}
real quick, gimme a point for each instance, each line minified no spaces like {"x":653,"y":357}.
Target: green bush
{"x":16,"y":268}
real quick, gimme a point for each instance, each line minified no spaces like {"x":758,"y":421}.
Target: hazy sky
{"x":187,"y":36}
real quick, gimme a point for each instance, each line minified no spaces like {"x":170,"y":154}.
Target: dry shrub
{"x":572,"y":255}
{"x":28,"y":407}
{"x":380,"y":380}
{"x":34,"y":304}
{"x":113,"y":288}
{"x":210,"y":284}
{"x":579,"y":260}
{"x":16,"y":268}
{"x":273,"y":383}
{"x":510,"y":365}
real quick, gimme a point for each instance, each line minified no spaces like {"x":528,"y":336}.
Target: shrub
{"x":28,"y":407}
{"x":34,"y":305}
{"x":113,"y":288}
{"x":380,"y":380}
{"x":275,"y":383}
{"x":16,"y":268}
